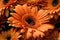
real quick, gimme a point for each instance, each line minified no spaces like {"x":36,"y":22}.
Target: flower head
{"x":53,"y":5}
{"x":6,"y":3}
{"x":31,"y":20}
{"x":9,"y":35}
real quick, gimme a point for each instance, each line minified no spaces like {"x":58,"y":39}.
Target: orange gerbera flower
{"x":31,"y":20}
{"x":53,"y":5}
{"x":9,"y":35}
{"x":6,"y":3}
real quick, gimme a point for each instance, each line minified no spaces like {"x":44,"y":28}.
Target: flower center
{"x":30,"y":21}
{"x":5,"y":1}
{"x":55,"y":2}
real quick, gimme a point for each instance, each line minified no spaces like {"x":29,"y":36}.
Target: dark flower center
{"x":55,"y":2}
{"x":5,"y":1}
{"x":30,"y":21}
{"x":57,"y":25}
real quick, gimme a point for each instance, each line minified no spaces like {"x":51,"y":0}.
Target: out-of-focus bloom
{"x":6,"y":3}
{"x":55,"y":15}
{"x":9,"y":35}
{"x":53,"y":5}
{"x":55,"y":20}
{"x":4,"y":12}
{"x":31,"y":20}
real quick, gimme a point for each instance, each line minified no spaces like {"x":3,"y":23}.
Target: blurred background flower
{"x":11,"y":34}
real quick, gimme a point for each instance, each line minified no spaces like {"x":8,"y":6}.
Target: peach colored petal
{"x":45,"y":27}
{"x":26,"y":9}
{"x":19,"y":10}
{"x":34,"y":10}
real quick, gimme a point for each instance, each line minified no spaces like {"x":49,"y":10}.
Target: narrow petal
{"x":42,"y":13}
{"x":38,"y":33}
{"x":45,"y":27}
{"x":16,"y":16}
{"x":34,"y":10}
{"x":26,"y":9}
{"x":19,"y":10}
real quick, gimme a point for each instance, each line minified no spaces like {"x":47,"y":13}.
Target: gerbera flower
{"x":31,"y":20}
{"x":6,"y":3}
{"x":9,"y":35}
{"x":55,"y":20}
{"x":53,"y":5}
